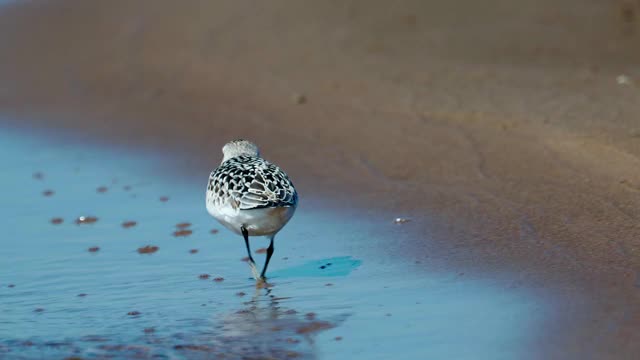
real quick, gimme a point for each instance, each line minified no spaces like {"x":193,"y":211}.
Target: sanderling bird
{"x":250,"y":196}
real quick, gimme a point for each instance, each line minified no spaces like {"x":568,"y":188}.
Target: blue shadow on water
{"x":331,"y":267}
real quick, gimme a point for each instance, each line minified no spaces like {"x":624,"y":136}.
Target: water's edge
{"x":332,"y":296}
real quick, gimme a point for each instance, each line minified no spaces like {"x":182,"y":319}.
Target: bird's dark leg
{"x":252,"y":264}
{"x":266,"y":263}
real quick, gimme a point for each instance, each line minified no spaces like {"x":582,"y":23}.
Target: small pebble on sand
{"x":128,"y":224}
{"x":401,"y":220}
{"x":299,"y":99}
{"x":623,"y":80}
{"x":183,"y":232}
{"x":149,"y":249}
{"x":86,"y":220}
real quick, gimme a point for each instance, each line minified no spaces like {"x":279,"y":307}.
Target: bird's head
{"x":238,"y":148}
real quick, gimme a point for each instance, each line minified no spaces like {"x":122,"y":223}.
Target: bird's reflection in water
{"x":263,"y":328}
{"x":266,"y":328}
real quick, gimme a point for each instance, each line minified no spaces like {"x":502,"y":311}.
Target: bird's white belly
{"x":259,"y":222}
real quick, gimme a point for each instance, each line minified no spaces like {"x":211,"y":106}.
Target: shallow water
{"x":330,"y":298}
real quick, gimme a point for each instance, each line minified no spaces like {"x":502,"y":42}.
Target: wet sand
{"x":81,"y":288}
{"x":508,"y":133}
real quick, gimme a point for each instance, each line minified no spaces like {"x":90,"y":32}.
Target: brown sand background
{"x":502,"y":128}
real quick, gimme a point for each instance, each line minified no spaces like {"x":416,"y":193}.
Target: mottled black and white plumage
{"x":251,"y":183}
{"x":250,"y":196}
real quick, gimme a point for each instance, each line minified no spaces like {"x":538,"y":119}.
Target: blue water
{"x":379,"y":307}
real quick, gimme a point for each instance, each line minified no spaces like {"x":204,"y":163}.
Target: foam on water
{"x":156,"y":305}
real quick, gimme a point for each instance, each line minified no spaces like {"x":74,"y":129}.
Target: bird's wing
{"x":252,"y":183}
{"x":270,"y":187}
